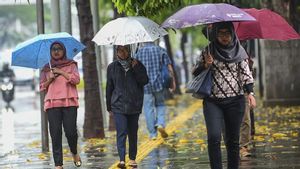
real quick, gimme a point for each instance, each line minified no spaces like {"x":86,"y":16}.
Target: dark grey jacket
{"x":125,"y":90}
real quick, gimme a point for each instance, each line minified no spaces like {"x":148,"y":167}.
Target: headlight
{"x":10,"y":86}
{"x":3,"y":87}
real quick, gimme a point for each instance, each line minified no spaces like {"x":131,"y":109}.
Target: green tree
{"x":145,"y":7}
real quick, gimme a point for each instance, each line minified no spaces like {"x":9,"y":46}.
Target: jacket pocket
{"x":115,"y":97}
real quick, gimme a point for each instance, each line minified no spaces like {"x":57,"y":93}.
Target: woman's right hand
{"x":208,"y":60}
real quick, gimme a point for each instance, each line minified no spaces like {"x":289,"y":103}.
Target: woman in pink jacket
{"x":61,"y":101}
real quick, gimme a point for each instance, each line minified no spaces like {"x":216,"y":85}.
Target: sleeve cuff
{"x":248,"y":88}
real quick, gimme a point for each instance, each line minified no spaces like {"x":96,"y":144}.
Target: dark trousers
{"x":66,"y":117}
{"x":126,"y":125}
{"x":230,"y":112}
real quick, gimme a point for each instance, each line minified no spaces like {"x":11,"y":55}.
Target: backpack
{"x":165,"y":74}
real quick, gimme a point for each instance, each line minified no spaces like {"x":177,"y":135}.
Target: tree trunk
{"x":295,"y":15}
{"x":184,"y":62}
{"x":267,"y":4}
{"x":169,"y":50}
{"x":93,"y":121}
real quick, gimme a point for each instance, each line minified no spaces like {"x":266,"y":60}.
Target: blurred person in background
{"x":153,"y":57}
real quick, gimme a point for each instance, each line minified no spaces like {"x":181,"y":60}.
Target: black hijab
{"x":231,"y":53}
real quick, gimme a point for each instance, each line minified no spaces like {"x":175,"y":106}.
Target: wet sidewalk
{"x":276,"y":143}
{"x":20,"y":136}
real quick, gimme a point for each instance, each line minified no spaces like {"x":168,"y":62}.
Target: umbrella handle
{"x":50,"y":66}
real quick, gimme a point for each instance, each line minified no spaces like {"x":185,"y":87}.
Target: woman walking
{"x":231,"y":79}
{"x":126,"y":78}
{"x":61,"y":101}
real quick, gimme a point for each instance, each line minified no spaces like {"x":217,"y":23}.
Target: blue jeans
{"x":127,"y":125}
{"x":155,"y":110}
{"x":229,"y":111}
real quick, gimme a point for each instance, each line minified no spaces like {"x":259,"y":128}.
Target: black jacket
{"x":125,"y":90}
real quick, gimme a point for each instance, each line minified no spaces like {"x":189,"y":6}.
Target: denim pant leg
{"x":55,"y":118}
{"x":150,"y":114}
{"x":160,"y":108}
{"x":133,"y":125}
{"x":233,"y":115}
{"x":214,"y":122}
{"x":121,"y":126}
{"x":70,"y":127}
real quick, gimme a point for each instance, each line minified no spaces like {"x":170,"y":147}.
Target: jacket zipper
{"x":125,"y":83}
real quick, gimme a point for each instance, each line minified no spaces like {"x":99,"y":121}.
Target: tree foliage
{"x":145,"y":7}
{"x":105,"y":11}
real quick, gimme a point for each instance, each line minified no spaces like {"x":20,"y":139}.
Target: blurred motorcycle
{"x":7,"y":89}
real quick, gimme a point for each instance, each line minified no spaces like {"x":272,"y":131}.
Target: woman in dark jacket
{"x":232,"y":79}
{"x":126,"y":78}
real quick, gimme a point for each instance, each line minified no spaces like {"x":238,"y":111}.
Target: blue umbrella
{"x":35,"y":52}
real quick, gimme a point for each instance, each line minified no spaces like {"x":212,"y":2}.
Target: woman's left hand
{"x":252,"y":101}
{"x":57,"y":71}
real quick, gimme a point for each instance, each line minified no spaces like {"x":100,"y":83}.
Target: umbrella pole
{"x":137,"y":48}
{"x":132,"y":52}
{"x":50,"y":66}
{"x":207,"y":33}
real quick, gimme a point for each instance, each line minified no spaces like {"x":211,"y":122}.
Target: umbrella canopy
{"x":129,"y":30}
{"x":268,"y":25}
{"x":35,"y":52}
{"x":205,"y":14}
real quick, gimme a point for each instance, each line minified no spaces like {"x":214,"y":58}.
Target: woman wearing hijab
{"x":232,"y":78}
{"x":61,"y":101}
{"x":126,"y":78}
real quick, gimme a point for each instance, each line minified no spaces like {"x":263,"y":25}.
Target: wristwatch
{"x":251,"y":93}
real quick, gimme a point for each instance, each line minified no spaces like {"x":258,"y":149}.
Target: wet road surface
{"x":276,"y":143}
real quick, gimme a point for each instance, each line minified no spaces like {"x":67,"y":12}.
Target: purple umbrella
{"x":205,"y":14}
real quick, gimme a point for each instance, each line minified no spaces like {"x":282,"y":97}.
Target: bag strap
{"x":161,"y":59}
